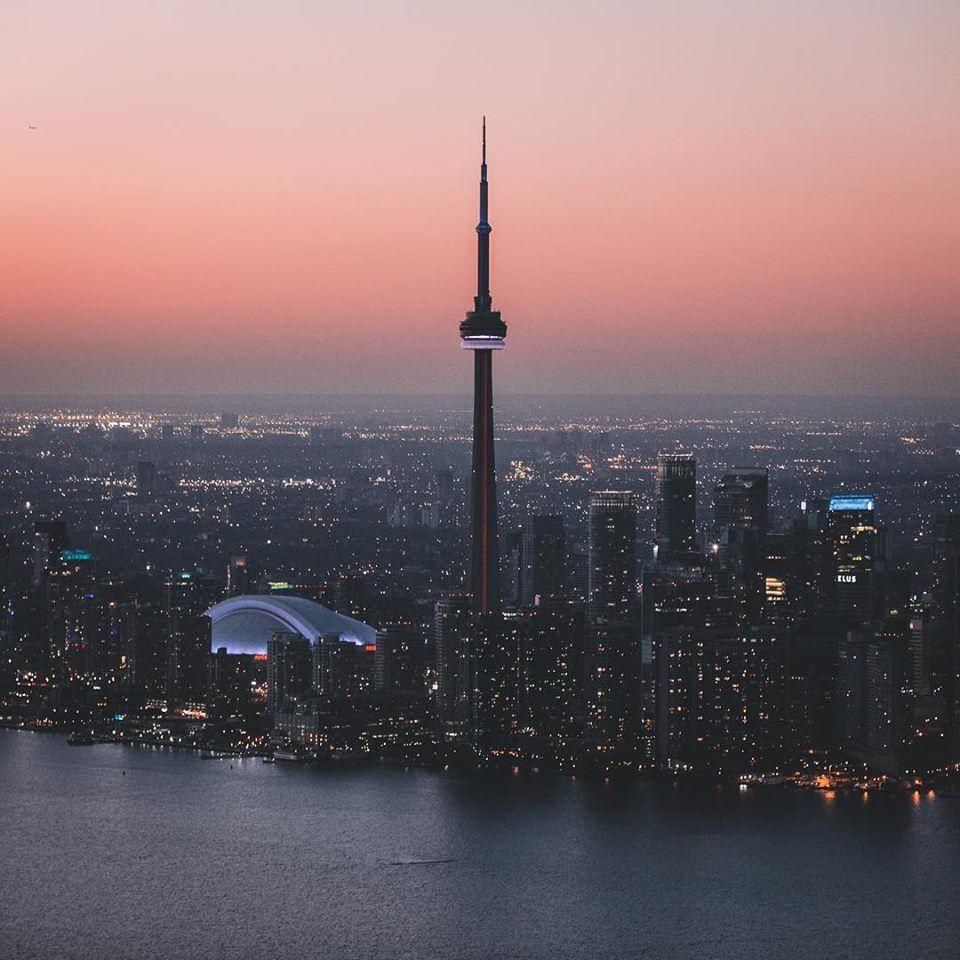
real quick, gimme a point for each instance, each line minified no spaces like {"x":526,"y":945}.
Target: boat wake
{"x":412,"y":862}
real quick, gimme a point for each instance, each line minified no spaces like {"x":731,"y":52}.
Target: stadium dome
{"x":244,"y":624}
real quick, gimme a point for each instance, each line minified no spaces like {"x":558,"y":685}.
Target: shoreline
{"x":828,"y":784}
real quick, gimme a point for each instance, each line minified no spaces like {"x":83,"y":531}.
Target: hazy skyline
{"x":238,"y":197}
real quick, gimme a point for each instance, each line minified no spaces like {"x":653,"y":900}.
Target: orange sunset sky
{"x":227,"y":196}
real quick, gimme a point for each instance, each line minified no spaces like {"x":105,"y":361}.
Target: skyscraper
{"x":241,"y":578}
{"x":146,"y":480}
{"x":613,"y":555}
{"x":871,"y":672}
{"x":855,"y":540}
{"x":289,"y":669}
{"x":543,"y":560}
{"x":451,"y":632}
{"x":62,"y":621}
{"x":676,"y":483}
{"x":400,"y":660}
{"x":49,"y":542}
{"x":188,"y":596}
{"x":740,"y":516}
{"x":483,"y":332}
{"x":740,"y":499}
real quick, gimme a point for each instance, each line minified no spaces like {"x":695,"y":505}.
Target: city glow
{"x":188,"y":206}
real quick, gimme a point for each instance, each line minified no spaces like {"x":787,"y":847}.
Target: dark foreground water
{"x":116,"y":852}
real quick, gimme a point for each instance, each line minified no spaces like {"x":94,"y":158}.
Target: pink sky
{"x":259,"y":197}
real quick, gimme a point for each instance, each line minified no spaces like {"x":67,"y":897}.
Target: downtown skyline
{"x":650,"y":650}
{"x":745,"y":201}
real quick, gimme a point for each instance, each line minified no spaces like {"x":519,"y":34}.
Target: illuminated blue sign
{"x":852,"y":501}
{"x":73,"y":555}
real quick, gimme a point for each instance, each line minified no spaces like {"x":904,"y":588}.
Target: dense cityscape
{"x":747,"y":595}
{"x":770,"y":598}
{"x":479,"y":481}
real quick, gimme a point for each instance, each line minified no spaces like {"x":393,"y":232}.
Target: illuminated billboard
{"x":852,"y":501}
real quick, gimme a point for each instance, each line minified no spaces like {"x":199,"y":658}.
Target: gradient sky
{"x":229,"y":196}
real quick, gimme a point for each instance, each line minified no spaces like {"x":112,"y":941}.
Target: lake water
{"x":115,"y":852}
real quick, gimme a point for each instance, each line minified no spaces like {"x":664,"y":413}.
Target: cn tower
{"x":483,"y":332}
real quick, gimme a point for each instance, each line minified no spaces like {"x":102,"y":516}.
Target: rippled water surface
{"x":120,"y":852}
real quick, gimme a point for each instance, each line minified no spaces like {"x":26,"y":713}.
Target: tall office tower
{"x":740,"y":551}
{"x":612,"y":576}
{"x":49,"y":542}
{"x":451,"y":633}
{"x":781,"y":575}
{"x":115,"y":616}
{"x":850,"y":700}
{"x":921,"y":629}
{"x":400,"y":661}
{"x":146,"y":481}
{"x":187,"y":598}
{"x":872,"y":670}
{"x":289,"y":669}
{"x":613,"y":648}
{"x":147,"y":649}
{"x":483,"y":332}
{"x":676,"y":495}
{"x":855,"y":541}
{"x":63,"y":621}
{"x":543,"y":560}
{"x":812,"y":551}
{"x":740,"y":511}
{"x":103,"y":632}
{"x":241,"y":578}
{"x":741,"y":499}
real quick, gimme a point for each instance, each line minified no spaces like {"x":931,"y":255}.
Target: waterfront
{"x":131,"y":852}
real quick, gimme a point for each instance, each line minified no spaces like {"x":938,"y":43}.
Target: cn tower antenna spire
{"x":483,"y":301}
